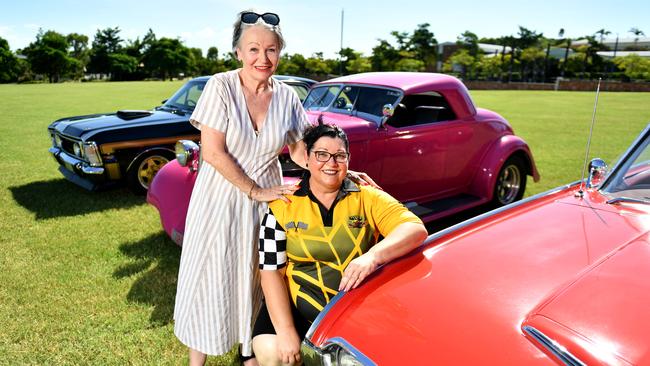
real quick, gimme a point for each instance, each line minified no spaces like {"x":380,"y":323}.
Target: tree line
{"x":524,"y":57}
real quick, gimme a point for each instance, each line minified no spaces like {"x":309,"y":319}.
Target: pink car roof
{"x":409,"y":82}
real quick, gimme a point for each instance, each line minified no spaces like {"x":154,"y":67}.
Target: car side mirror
{"x":388,"y":110}
{"x":187,"y":154}
{"x":597,"y":171}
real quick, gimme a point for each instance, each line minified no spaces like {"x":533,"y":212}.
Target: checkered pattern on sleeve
{"x":273,"y":243}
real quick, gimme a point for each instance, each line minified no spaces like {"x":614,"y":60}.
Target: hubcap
{"x":509,"y":184}
{"x":148,"y":169}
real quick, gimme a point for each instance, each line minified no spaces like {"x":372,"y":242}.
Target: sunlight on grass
{"x":90,"y":278}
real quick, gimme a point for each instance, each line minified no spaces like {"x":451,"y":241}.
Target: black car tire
{"x":144,"y":168}
{"x":511,"y":182}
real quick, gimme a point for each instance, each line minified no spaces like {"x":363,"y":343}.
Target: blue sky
{"x":314,"y":26}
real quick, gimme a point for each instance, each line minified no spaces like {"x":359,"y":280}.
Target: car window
{"x":632,"y":179}
{"x":187,"y":96}
{"x":320,"y":97}
{"x":364,"y":100}
{"x":372,"y":100}
{"x":423,"y":108}
{"x":346,"y":98}
{"x":301,"y":90}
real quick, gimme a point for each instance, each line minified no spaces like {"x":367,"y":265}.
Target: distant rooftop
{"x":622,"y":42}
{"x":610,"y":54}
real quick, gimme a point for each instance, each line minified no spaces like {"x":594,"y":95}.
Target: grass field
{"x":89,"y":278}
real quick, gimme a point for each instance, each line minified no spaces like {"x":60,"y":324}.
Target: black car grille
{"x":67,"y":145}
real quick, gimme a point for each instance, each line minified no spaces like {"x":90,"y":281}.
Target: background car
{"x":94,"y":151}
{"x":418,"y":135}
{"x":559,"y":278}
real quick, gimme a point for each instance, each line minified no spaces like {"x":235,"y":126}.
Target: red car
{"x":559,"y":278}
{"x":418,"y":135}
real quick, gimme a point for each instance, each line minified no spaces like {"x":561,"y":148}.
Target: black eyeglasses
{"x":268,"y":18}
{"x":324,"y":156}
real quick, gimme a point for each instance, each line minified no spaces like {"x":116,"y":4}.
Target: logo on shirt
{"x":356,"y":222}
{"x":296,"y":225}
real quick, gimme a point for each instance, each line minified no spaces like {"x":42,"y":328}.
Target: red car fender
{"x":488,"y":170}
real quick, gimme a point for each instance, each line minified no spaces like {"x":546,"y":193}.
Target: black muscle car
{"x":130,"y":146}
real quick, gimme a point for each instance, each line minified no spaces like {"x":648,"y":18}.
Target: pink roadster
{"x":419,"y":135}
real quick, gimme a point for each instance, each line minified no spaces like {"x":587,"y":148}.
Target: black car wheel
{"x":144,"y":168}
{"x":511,"y":182}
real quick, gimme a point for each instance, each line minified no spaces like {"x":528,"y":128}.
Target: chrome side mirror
{"x":597,"y":171}
{"x":387,"y":110}
{"x":187,"y":154}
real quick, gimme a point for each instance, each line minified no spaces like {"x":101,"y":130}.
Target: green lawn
{"x":89,"y":278}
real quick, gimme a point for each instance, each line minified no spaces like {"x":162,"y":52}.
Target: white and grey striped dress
{"x":218,"y":293}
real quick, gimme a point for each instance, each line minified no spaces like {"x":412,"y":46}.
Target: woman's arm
{"x":277,"y":302}
{"x":215,"y":153}
{"x":298,"y":153}
{"x":401,"y":240}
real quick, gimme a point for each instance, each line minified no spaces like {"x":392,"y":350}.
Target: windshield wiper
{"x":173,"y":109}
{"x":627,"y":199}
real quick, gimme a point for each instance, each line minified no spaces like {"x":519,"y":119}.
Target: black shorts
{"x":263,"y":324}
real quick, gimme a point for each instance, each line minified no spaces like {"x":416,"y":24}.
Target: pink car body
{"x":418,"y":135}
{"x":559,"y":278}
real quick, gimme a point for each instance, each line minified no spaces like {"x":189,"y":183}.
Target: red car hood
{"x":559,"y":263}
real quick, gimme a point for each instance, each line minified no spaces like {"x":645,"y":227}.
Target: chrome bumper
{"x":311,"y":355}
{"x":72,"y":163}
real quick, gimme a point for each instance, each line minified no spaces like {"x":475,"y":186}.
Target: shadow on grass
{"x":58,"y":197}
{"x":154,"y":263}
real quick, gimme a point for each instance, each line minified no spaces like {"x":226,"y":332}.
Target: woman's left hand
{"x":358,"y":269}
{"x":363,"y":179}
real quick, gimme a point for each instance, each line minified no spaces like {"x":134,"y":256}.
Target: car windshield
{"x":186,"y":97}
{"x":631,"y":177}
{"x":355,"y":99}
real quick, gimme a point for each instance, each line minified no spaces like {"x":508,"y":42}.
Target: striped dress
{"x":218,"y":293}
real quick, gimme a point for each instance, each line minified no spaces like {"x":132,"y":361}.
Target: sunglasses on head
{"x":268,"y":18}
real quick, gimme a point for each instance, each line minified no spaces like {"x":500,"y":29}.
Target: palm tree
{"x":602,"y":33}
{"x":637,"y":32}
{"x":566,"y":51}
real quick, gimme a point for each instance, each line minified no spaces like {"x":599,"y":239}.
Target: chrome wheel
{"x":510,"y":183}
{"x":148,"y":169}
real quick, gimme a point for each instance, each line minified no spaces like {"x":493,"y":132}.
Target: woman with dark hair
{"x":245,"y":118}
{"x":325,"y":239}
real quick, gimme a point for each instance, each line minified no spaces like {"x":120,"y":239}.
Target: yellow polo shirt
{"x":317,"y":244}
